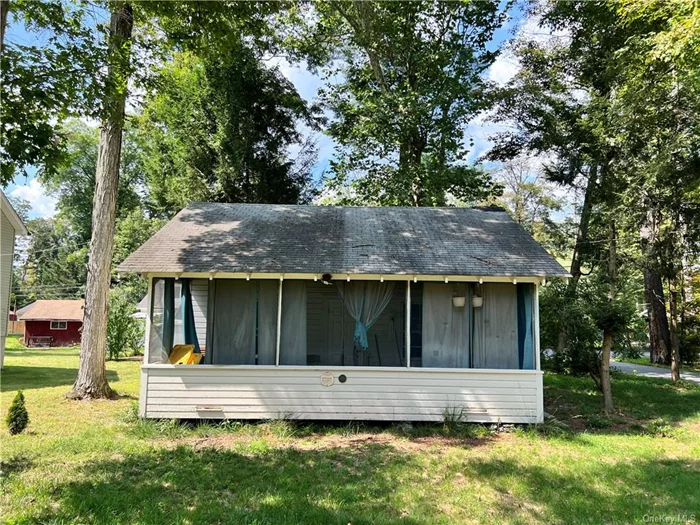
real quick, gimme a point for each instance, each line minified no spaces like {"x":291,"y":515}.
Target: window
{"x":59,"y":325}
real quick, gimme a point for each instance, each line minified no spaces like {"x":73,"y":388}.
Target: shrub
{"x":124,"y":332}
{"x":598,"y":421}
{"x":583,"y":316}
{"x":17,"y":417}
{"x":689,"y":340}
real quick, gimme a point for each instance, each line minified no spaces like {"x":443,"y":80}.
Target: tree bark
{"x":579,"y":247}
{"x":608,"y":333}
{"x":608,"y":340}
{"x":675,"y":350}
{"x":92,"y":379}
{"x":659,"y":335}
{"x":4,"y":9}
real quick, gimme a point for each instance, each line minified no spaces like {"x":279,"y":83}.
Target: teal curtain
{"x":364,"y":301}
{"x":168,"y":314}
{"x":526,"y":341}
{"x":189,"y":328}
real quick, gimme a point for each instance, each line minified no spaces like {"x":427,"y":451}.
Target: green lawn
{"x":95,"y":462}
{"x":645,"y":361}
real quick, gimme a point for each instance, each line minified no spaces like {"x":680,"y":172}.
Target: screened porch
{"x":320,"y":323}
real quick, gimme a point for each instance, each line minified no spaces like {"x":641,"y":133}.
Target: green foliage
{"x":124,"y":332}
{"x":598,"y":422}
{"x":45,"y":79}
{"x":562,"y":311}
{"x":73,"y":183}
{"x":223,"y":131}
{"x":17,"y":416}
{"x":55,"y":263}
{"x":582,"y":315}
{"x":412,"y":79}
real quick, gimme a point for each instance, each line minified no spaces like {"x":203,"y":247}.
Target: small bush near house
{"x":124,"y":332}
{"x":17,"y":417}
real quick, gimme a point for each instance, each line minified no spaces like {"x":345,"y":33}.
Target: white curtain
{"x":445,"y":327}
{"x":364,"y":301}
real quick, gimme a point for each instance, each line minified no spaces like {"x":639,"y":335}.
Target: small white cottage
{"x":343,"y":313}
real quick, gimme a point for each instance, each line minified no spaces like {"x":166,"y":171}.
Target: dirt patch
{"x":357,"y":442}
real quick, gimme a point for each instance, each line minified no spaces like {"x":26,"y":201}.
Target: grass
{"x":645,"y":362}
{"x":96,"y":462}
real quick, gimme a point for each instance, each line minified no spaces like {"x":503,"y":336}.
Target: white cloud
{"x":506,"y":65}
{"x":43,"y":205}
{"x":503,"y":69}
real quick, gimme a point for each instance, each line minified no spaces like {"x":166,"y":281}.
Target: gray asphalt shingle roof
{"x":268,"y":238}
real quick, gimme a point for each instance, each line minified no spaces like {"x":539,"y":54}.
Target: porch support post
{"x":279,"y":323}
{"x":408,"y":324}
{"x":149,"y":315}
{"x":540,"y":379}
{"x":536,"y":327}
{"x":143,"y":387}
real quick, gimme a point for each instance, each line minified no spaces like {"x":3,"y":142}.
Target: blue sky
{"x":44,"y":205}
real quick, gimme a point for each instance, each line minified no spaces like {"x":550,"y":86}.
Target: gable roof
{"x":288,"y":239}
{"x":53,"y":310}
{"x":9,"y":212}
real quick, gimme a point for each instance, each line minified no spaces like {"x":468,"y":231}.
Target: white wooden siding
{"x":7,"y":248}
{"x":370,"y":393}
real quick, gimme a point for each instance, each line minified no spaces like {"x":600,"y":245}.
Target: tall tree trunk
{"x":673,"y":293}
{"x":92,"y":380}
{"x":608,"y":333}
{"x":4,"y":9}
{"x":579,"y":247}
{"x":657,"y":320}
{"x":659,"y":335}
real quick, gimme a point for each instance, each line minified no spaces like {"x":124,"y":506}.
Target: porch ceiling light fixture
{"x":177,"y":276}
{"x":446,"y":280}
{"x":515,"y":281}
{"x":211,"y":275}
{"x":381,"y":278}
{"x":481,"y":280}
{"x":415,"y":279}
{"x":247,"y":277}
{"x":348,"y":278}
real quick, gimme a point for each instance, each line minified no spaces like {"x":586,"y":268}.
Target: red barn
{"x":53,"y":322}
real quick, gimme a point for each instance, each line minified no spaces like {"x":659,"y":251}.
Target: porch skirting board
{"x":378,"y":394}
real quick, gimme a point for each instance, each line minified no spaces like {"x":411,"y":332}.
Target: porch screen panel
{"x":526,"y":341}
{"x":445,"y":327}
{"x":496,"y":328}
{"x":293,"y":336}
{"x":156,"y":352}
{"x":233,"y":339}
{"x":267,"y":321}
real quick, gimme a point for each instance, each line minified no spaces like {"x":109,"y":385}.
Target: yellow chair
{"x":184,"y":355}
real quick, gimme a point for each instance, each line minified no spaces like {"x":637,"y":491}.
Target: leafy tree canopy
{"x":225,"y":131}
{"x":411,"y":78}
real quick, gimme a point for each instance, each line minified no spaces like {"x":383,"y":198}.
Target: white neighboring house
{"x":10,"y":227}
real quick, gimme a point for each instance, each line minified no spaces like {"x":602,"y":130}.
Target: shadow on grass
{"x":33,"y":377}
{"x":635,"y":397}
{"x":185,"y":485}
{"x":371,"y":484}
{"x":599,"y":492}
